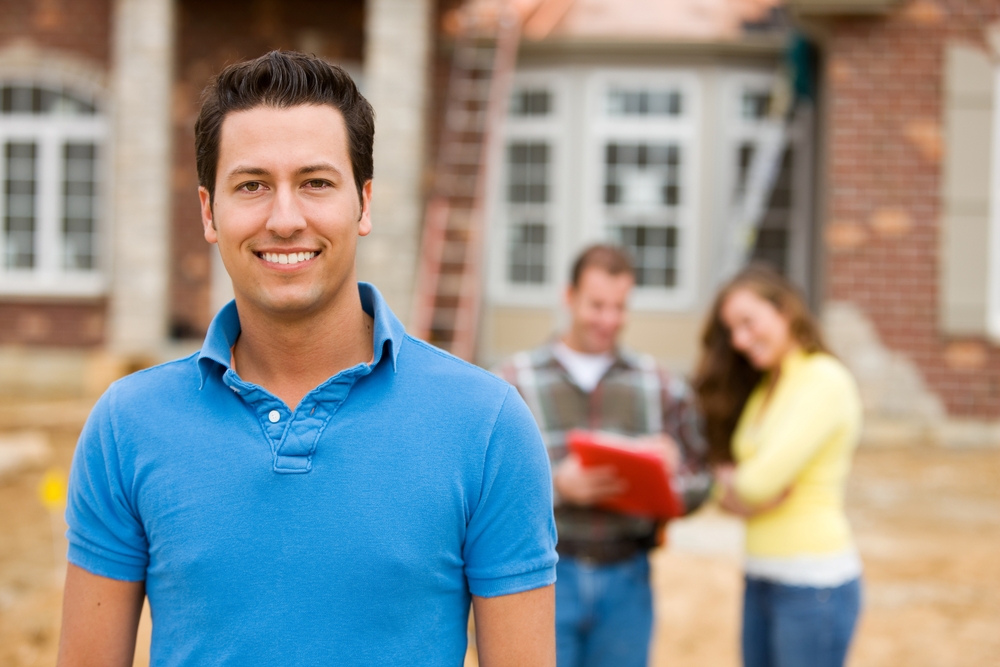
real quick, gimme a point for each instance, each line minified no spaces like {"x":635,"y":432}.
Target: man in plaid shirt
{"x":583,"y":379}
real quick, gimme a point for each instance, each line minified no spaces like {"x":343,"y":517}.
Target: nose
{"x":740,"y":339}
{"x":286,"y":217}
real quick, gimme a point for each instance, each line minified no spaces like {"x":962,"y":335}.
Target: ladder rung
{"x":449,"y":285}
{"x":457,"y":186}
{"x":472,"y":90}
{"x":475,"y":57}
{"x":460,"y":120}
{"x":444,"y":319}
{"x":461,"y":153}
{"x":453,"y":252}
{"x":459,"y":220}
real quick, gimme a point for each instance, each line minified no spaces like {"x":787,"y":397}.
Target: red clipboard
{"x":650,"y":492}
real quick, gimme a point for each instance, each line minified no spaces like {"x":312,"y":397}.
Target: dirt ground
{"x":927,"y":522}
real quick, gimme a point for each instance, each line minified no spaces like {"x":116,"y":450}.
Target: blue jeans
{"x":798,"y":626}
{"x":604,"y":613}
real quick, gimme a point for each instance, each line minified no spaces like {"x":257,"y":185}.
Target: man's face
{"x":598,"y":306}
{"x":286,"y":213}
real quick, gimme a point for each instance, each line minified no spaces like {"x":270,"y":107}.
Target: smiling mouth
{"x":286,"y":258}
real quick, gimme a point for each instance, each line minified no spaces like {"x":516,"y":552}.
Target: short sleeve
{"x":511,"y":536}
{"x":105,"y":534}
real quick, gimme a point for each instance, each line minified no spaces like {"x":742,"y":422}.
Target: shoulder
{"x":526,"y":359}
{"x":826,"y":371}
{"x":825,"y":367}
{"x":438,"y":371}
{"x":162,"y":376}
{"x":674,"y":385}
{"x":156,"y":386}
{"x":460,"y":392}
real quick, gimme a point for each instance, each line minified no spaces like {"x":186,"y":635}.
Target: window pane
{"x":20,"y":184}
{"x":531,"y":102}
{"x":528,"y":172}
{"x":79,"y":205}
{"x":644,"y":102}
{"x":744,"y":158}
{"x":772,"y":248}
{"x":642,"y":176}
{"x":526,"y":253}
{"x":41,"y":100}
{"x":756,"y":105}
{"x":654,"y":250}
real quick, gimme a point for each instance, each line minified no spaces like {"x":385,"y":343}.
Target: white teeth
{"x":290,"y":258}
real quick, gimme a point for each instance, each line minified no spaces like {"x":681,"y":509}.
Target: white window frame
{"x":993,"y":252}
{"x":50,"y":133}
{"x":737,"y":128}
{"x":684,"y":130}
{"x":551,"y":129}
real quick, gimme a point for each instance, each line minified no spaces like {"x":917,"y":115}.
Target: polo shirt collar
{"x":225,"y":329}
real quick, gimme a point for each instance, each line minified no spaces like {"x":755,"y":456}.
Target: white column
{"x":396,"y":68}
{"x":142,"y":80}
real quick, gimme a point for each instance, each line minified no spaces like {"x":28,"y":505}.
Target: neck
{"x":775,"y":373}
{"x":574,"y":343}
{"x":291,"y":355}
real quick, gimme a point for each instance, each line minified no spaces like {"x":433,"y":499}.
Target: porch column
{"x":140,"y":206}
{"x":396,"y":78}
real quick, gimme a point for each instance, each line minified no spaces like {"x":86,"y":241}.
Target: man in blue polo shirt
{"x":314,"y":487}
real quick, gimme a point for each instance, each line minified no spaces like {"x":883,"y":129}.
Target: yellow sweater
{"x":802,"y":440}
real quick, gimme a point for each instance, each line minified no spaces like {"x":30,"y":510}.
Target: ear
{"x":207,"y":219}
{"x":365,"y":221}
{"x":568,"y":294}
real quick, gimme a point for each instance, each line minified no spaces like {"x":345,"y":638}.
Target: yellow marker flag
{"x":52,"y":490}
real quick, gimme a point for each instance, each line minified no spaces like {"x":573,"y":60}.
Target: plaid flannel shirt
{"x":636,"y":397}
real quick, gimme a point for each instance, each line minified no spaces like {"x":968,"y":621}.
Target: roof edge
{"x":833,"y":8}
{"x":748,"y":44}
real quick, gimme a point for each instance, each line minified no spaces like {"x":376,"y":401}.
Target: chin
{"x":288,"y":304}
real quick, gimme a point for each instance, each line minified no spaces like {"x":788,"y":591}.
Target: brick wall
{"x":79,"y":29}
{"x":884,"y":83}
{"x":53,"y":324}
{"x":211,"y":35}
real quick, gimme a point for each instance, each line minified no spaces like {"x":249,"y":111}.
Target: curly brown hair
{"x":724,"y":377}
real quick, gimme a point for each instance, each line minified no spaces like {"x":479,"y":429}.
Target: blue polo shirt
{"x":350,"y":531}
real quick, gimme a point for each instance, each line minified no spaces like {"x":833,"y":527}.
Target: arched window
{"x":51,"y":154}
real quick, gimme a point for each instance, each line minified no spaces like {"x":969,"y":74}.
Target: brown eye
{"x":252,"y":187}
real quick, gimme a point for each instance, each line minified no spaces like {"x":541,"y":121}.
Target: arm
{"x":731,"y":502}
{"x":576,"y":485}
{"x":803,"y":427}
{"x":683,"y":424}
{"x":517,"y":630}
{"x":99,"y":622}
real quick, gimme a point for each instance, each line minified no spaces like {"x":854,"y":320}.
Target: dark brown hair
{"x":283,"y":79}
{"x":613,"y":259}
{"x":725,"y":378}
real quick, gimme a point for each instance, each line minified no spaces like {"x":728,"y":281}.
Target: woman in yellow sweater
{"x":783,"y":415}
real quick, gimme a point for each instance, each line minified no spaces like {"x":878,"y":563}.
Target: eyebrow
{"x":302,"y":171}
{"x":248,"y":171}
{"x":321,"y":166}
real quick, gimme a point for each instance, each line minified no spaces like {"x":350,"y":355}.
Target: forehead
{"x":596,"y":280}
{"x":743,"y":301}
{"x":272,"y":137}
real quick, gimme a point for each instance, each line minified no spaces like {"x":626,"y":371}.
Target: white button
{"x":274,"y":416}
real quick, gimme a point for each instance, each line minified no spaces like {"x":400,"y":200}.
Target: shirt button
{"x":274,"y":416}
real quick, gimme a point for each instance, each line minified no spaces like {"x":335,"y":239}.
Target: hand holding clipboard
{"x":648,"y":489}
